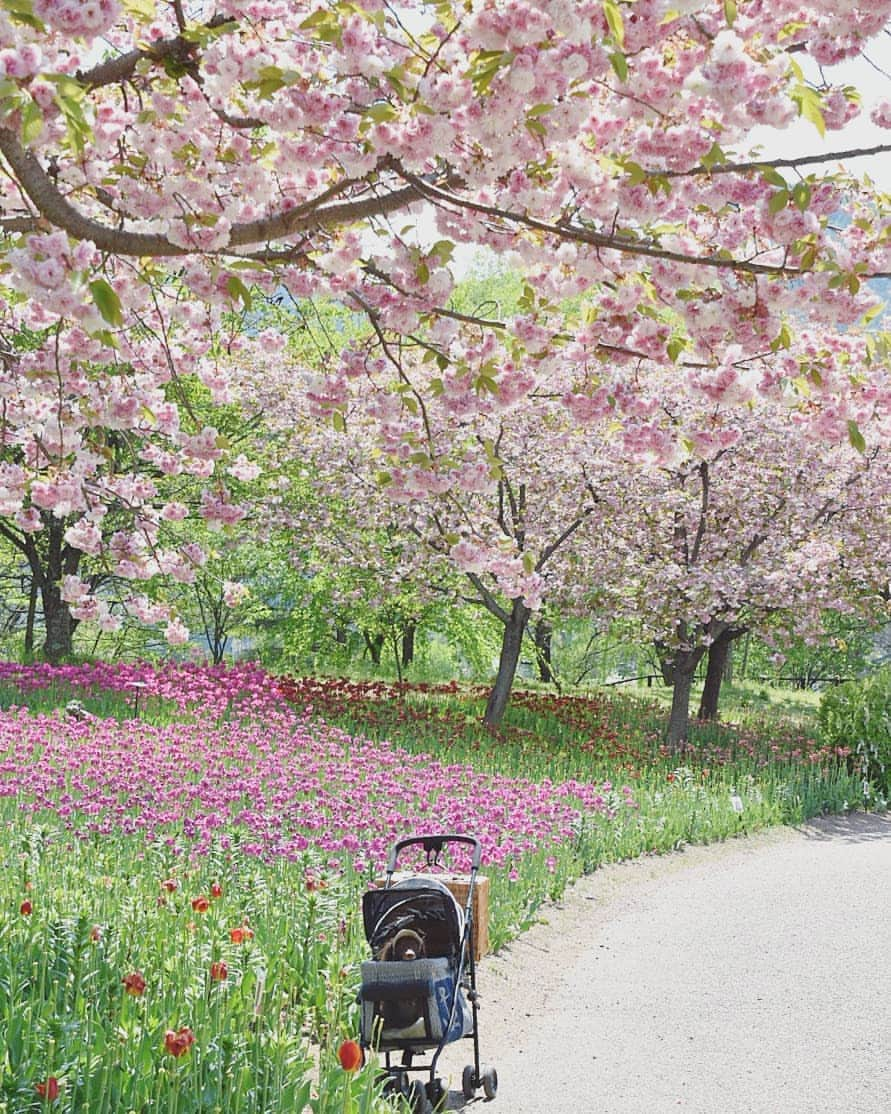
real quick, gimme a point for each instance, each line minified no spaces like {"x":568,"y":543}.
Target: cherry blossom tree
{"x":747,"y":514}
{"x":166,"y":165}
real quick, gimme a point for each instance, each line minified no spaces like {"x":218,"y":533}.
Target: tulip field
{"x":185,"y":848}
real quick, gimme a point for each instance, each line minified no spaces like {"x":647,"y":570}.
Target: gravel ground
{"x":752,"y":975}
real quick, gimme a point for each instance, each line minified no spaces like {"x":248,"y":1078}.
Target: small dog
{"x":405,"y":946}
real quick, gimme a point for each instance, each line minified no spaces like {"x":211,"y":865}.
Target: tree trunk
{"x":716,"y":671}
{"x":375,"y":643}
{"x":61,"y":560}
{"x":678,"y":669}
{"x":59,"y":642}
{"x":679,"y":718}
{"x":543,"y":636}
{"x":33,"y":593}
{"x":408,"y":644}
{"x":511,"y":642}
{"x":744,"y":671}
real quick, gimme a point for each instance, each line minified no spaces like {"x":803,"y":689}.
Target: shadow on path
{"x":852,"y":827}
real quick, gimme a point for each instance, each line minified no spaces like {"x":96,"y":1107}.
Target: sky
{"x":871,"y":76}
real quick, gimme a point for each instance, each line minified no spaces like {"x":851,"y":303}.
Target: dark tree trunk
{"x":408,"y":644}
{"x":716,"y":671}
{"x":678,"y":669}
{"x":60,"y":626}
{"x":543,"y":636}
{"x":374,"y":643}
{"x":33,"y":593}
{"x":679,"y":717}
{"x":511,"y":642}
{"x":61,"y":560}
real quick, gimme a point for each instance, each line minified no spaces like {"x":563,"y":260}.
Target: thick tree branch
{"x":487,"y":599}
{"x":314,"y":214}
{"x":177,"y":48}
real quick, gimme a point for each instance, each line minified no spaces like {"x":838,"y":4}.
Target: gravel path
{"x":752,"y":975}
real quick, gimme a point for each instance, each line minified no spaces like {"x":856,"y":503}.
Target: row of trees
{"x":679,"y":413}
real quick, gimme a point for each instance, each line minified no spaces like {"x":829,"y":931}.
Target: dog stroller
{"x":418,"y":992}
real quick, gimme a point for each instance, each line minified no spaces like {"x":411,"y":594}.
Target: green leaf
{"x":238,"y":291}
{"x":801,"y":195}
{"x":675,"y":347}
{"x":619,"y":63}
{"x":772,"y":176}
{"x":486,"y":65}
{"x":858,"y":441}
{"x":443,"y":250}
{"x":713,"y":157}
{"x":324,"y":25}
{"x":32,"y":122}
{"x":337,"y":420}
{"x":810,"y":106}
{"x":779,"y":201}
{"x":636,"y":173}
{"x":380,"y":111}
{"x":144,"y":10}
{"x":107,"y":302}
{"x":614,"y":20}
{"x":808,"y":258}
{"x":782,"y":340}
{"x":730,"y":12}
{"x":22,"y":11}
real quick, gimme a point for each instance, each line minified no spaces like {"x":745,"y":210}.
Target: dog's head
{"x":406,"y":945}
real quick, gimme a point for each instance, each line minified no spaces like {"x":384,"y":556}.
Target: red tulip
{"x":26,"y":908}
{"x":351,"y":1056}
{"x":170,"y":885}
{"x":241,"y":934}
{"x":200,"y":904}
{"x":134,"y":983}
{"x":48,"y":1091}
{"x":219,"y":971}
{"x":216,"y":890}
{"x":178,"y":1042}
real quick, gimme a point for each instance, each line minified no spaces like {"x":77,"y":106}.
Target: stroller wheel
{"x":437,"y":1093}
{"x":417,"y":1098}
{"x":396,"y":1083}
{"x":468,"y":1082}
{"x":490,"y":1082}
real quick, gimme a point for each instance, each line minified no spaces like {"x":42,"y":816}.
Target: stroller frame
{"x":424,"y":1097}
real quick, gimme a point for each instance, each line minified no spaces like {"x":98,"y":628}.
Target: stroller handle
{"x":433,"y":845}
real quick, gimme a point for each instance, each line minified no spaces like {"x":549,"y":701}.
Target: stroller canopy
{"x":420,"y":903}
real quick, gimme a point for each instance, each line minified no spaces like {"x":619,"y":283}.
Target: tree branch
{"x":314,"y":214}
{"x":773,"y":164}
{"x":487,"y":599}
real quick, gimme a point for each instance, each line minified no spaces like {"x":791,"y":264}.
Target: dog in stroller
{"x":418,"y":991}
